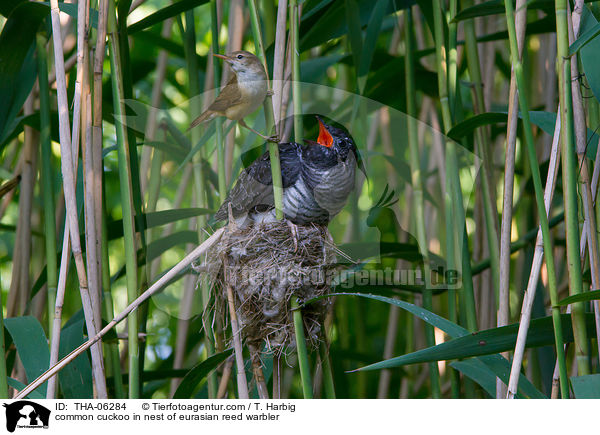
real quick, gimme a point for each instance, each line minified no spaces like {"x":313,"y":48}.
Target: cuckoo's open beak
{"x":325,"y":137}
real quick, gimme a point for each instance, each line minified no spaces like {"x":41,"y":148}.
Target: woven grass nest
{"x":266,"y":264}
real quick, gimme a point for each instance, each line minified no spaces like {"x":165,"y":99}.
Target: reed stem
{"x":236,"y":332}
{"x":507,"y":200}
{"x":539,"y":195}
{"x":417,"y":187}
{"x":295,"y":53}
{"x":112,"y":349}
{"x":3,"y":373}
{"x":47,"y":178}
{"x":328,"y":384}
{"x":126,"y":201}
{"x":68,"y":167}
{"x":269,"y":114}
{"x":301,"y":349}
{"x":198,"y":171}
{"x":482,"y":139}
{"x":569,"y":178}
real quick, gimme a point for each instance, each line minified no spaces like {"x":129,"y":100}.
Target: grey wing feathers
{"x":254,"y":186}
{"x":247,"y":193}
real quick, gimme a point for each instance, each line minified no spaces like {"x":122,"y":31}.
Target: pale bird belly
{"x":238,"y":111}
{"x":253,"y":95}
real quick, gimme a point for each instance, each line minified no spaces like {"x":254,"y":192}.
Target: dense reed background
{"x":463,"y":112}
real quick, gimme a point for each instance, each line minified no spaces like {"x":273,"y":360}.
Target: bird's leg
{"x":232,"y":223}
{"x":273,"y":138}
{"x":294,"y":230}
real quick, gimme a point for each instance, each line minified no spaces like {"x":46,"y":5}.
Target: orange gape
{"x":324,"y":138}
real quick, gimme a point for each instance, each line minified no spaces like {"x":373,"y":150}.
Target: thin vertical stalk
{"x":152,"y":158}
{"x":295,"y":54}
{"x":569,"y":177}
{"x":186,"y":305}
{"x":198,"y":173}
{"x":57,"y":309}
{"x":489,"y":197}
{"x":417,"y":186}
{"x":183,"y":322}
{"x":537,"y":182}
{"x":242,"y":383}
{"x":259,"y":377}
{"x":298,"y":134}
{"x":534,"y":273}
{"x":452,"y":178}
{"x":328,"y":384}
{"x":216,"y":78}
{"x":391,"y":336}
{"x":451,"y":242}
{"x":440,"y":54}
{"x":452,"y":64}
{"x":271,"y":108}
{"x":3,"y":374}
{"x":278,"y":65}
{"x":589,"y":230}
{"x":157,"y":156}
{"x":67,"y":165}
{"x":60,"y":295}
{"x":236,"y":27}
{"x":269,"y":114}
{"x":47,"y":178}
{"x":97,"y":162}
{"x":126,"y":201}
{"x":112,"y":349}
{"x":49,"y":208}
{"x":595,"y":177}
{"x":507,"y":200}
{"x":455,"y":212}
{"x":529,"y":296}
{"x":590,"y":223}
{"x":224,"y":381}
{"x":268,"y":13}
{"x":189,"y":286}
{"x":19,"y":287}
{"x":92,"y":237}
{"x":257,"y":33}
{"x":276,"y":376}
{"x":301,"y":349}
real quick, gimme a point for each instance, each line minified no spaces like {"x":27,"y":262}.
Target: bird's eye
{"x":239,"y":56}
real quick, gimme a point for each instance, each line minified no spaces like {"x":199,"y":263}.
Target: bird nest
{"x":266,"y":265}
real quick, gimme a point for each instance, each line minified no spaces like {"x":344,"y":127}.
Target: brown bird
{"x":243,"y":94}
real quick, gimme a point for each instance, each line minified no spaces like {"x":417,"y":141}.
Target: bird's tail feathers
{"x":206,"y":116}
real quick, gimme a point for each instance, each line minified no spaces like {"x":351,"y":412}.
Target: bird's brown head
{"x":244,"y":62}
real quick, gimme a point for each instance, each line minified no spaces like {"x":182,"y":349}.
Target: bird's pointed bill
{"x":325,"y":137}
{"x":221,"y":56}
